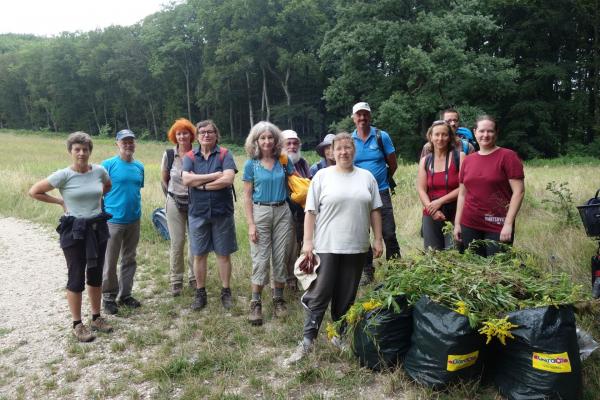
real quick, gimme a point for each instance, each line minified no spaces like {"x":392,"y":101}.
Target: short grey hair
{"x":251,"y":145}
{"x":343,"y":136}
{"x":79,"y":137}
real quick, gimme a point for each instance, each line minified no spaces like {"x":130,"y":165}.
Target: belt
{"x":274,"y":204}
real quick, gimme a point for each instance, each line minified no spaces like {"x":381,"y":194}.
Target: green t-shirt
{"x":81,"y":192}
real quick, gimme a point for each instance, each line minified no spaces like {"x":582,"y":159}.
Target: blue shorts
{"x":216,"y":234}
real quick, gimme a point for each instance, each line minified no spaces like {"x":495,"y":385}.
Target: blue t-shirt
{"x":269,"y":186}
{"x":369,"y":156}
{"x":124,"y":201}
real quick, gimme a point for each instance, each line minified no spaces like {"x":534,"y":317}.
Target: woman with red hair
{"x":182,"y":134}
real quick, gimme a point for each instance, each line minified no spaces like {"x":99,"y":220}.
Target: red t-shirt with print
{"x":488,"y":191}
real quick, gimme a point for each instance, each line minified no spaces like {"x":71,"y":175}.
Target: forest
{"x":301,"y":64}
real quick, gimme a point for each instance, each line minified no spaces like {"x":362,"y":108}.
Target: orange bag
{"x":297,"y":185}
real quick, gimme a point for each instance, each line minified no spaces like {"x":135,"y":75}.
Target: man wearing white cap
{"x":292,"y":146}
{"x":375,"y":152}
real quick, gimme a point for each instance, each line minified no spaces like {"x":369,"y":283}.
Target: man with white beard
{"x":292,"y":147}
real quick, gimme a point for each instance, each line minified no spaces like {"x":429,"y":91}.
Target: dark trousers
{"x":337,"y":281}
{"x":487,"y":250}
{"x":77,"y":267}
{"x":388,"y":228}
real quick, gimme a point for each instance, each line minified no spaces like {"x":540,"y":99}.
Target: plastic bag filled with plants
{"x":468,"y":290}
{"x":542,"y":360}
{"x":444,"y":347}
{"x":382,"y":337}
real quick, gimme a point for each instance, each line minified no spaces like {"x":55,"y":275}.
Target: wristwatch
{"x":204,"y":187}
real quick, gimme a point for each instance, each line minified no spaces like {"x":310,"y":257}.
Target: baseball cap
{"x":361,"y":106}
{"x":125,"y":133}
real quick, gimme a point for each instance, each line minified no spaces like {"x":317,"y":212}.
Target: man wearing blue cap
{"x":124,"y":202}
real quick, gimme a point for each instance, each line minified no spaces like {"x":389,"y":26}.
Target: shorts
{"x":215,"y":234}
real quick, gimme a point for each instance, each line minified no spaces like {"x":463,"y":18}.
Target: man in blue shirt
{"x":377,"y":158}
{"x":124,"y":202}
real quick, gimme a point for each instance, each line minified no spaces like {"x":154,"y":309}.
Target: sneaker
{"x":226,"y":299}
{"x":200,"y":301}
{"x":130,"y":302}
{"x":110,"y":307}
{"x":255,"y":317}
{"x":82,"y":333}
{"x":279,"y":308}
{"x":176,"y":289}
{"x":302,"y":350}
{"x":101,"y":325}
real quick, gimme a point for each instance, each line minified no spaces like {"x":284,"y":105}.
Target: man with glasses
{"x":209,"y":172}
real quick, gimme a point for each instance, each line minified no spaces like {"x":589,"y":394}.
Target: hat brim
{"x":320,"y":149}
{"x":306,"y":279}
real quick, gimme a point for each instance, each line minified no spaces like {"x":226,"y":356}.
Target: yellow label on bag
{"x":460,"y":361}
{"x":558,"y":363}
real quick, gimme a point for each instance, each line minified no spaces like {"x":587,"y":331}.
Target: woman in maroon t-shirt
{"x":491,"y":191}
{"x":437,"y":185}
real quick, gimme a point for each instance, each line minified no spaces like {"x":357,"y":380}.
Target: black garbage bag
{"x":382,"y":339}
{"x":444,"y":348}
{"x":542,"y":361}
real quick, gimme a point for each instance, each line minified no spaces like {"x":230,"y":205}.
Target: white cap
{"x":361,"y":106}
{"x":289,"y":134}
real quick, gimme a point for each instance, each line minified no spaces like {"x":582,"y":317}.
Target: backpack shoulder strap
{"x":456,"y":159}
{"x":170,"y":158}
{"x":222,"y":153}
{"x":429,"y":163}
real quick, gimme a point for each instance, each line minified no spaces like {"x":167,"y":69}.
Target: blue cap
{"x":125,"y":133}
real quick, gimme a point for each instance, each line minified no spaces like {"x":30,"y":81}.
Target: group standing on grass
{"x":348,"y":202}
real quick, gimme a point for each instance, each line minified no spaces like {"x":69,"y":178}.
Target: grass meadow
{"x":167,"y":351}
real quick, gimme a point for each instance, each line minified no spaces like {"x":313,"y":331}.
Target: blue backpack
{"x":466,"y":136}
{"x":159,"y":220}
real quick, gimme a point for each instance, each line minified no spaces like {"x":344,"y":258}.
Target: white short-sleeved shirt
{"x":343,"y":202}
{"x":81,"y":192}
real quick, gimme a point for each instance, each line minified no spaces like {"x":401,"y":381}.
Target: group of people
{"x":348,"y":202}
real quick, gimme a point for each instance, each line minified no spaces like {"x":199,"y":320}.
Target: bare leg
{"x":224,"y":263}
{"x":74,"y":300}
{"x":95,"y":296}
{"x":200,"y":270}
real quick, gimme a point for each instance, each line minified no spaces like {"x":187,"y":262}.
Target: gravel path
{"x":38,"y":356}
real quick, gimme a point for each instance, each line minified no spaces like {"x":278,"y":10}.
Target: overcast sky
{"x":51,"y":17}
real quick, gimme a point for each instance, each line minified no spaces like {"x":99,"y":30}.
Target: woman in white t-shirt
{"x":83,"y":229}
{"x":343,"y":202}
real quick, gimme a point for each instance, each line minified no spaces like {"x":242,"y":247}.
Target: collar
{"x":215,"y":149}
{"x":371,"y":133}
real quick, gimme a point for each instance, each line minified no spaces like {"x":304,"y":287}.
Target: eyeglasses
{"x":206,"y":133}
{"x":451,"y":120}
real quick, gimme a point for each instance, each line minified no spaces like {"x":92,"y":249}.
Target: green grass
{"x":188,"y":355}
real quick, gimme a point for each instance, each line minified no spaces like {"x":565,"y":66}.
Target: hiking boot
{"x":130,"y":302}
{"x":193,"y":284}
{"x":226,"y":299}
{"x":279,"y":308}
{"x":82,"y":333}
{"x":110,"y":307}
{"x":302,"y":350}
{"x":596,"y":289}
{"x":255,"y":318}
{"x":200,"y":301}
{"x":176,"y":289}
{"x":101,"y":325}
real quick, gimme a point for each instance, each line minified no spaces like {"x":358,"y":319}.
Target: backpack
{"x":465,"y":134}
{"x":390,"y":177}
{"x":297,"y":185}
{"x":159,"y":220}
{"x":222,"y":152}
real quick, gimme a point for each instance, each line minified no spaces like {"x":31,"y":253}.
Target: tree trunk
{"x":153,"y":119}
{"x":231,"y":129}
{"x":250,"y":112}
{"x":187,"y":91}
{"x":127,"y":119}
{"x":96,"y":117}
{"x":265,"y":96}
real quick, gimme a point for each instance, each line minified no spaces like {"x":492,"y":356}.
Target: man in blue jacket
{"x":124,"y":202}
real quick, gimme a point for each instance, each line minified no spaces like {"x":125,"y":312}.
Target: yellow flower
{"x":462,"y":308}
{"x":499,"y":328}
{"x":371,"y":305}
{"x":352,"y":316}
{"x":331,"y":331}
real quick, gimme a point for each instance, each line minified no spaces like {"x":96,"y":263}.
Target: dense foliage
{"x":303,"y":63}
